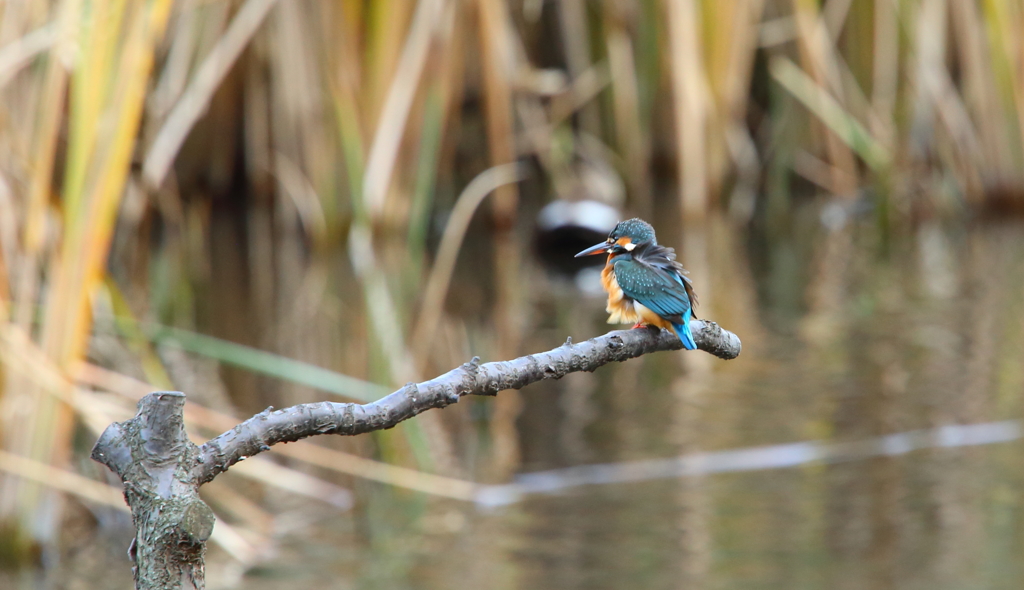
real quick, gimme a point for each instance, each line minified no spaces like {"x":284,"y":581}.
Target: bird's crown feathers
{"x":636,"y":229}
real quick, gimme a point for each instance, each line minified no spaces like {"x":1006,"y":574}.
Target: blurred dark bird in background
{"x":564,"y":226}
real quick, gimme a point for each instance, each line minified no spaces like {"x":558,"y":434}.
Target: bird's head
{"x":626,"y":237}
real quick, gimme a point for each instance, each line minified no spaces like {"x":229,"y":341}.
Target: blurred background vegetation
{"x":268,"y":202}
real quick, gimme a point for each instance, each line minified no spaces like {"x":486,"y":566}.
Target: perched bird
{"x":644,"y":282}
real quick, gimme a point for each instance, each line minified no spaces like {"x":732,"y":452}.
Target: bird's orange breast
{"x":619,"y":306}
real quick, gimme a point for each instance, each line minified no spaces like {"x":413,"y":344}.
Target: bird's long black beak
{"x":595,"y":249}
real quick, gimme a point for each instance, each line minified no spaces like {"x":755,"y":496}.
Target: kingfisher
{"x":645,"y":283}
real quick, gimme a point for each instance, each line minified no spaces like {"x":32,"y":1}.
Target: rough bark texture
{"x":156,"y":462}
{"x":162,"y":470}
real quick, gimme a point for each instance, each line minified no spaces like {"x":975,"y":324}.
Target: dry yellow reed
{"x":196,"y":98}
{"x":691,"y":106}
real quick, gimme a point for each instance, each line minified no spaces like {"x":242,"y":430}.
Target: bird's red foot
{"x":638,"y":325}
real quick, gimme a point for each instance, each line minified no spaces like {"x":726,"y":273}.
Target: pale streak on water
{"x":780,"y":456}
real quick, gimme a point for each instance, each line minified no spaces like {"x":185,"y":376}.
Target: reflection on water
{"x":902,"y":368}
{"x":749,"y":459}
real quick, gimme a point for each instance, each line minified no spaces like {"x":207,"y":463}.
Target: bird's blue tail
{"x":683,"y":331}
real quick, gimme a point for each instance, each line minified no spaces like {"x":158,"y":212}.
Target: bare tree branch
{"x":259,"y":433}
{"x":162,"y":470}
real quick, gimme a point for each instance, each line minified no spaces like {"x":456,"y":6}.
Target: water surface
{"x":850,"y":412}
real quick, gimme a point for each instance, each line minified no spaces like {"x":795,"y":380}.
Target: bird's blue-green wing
{"x":658,"y":290}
